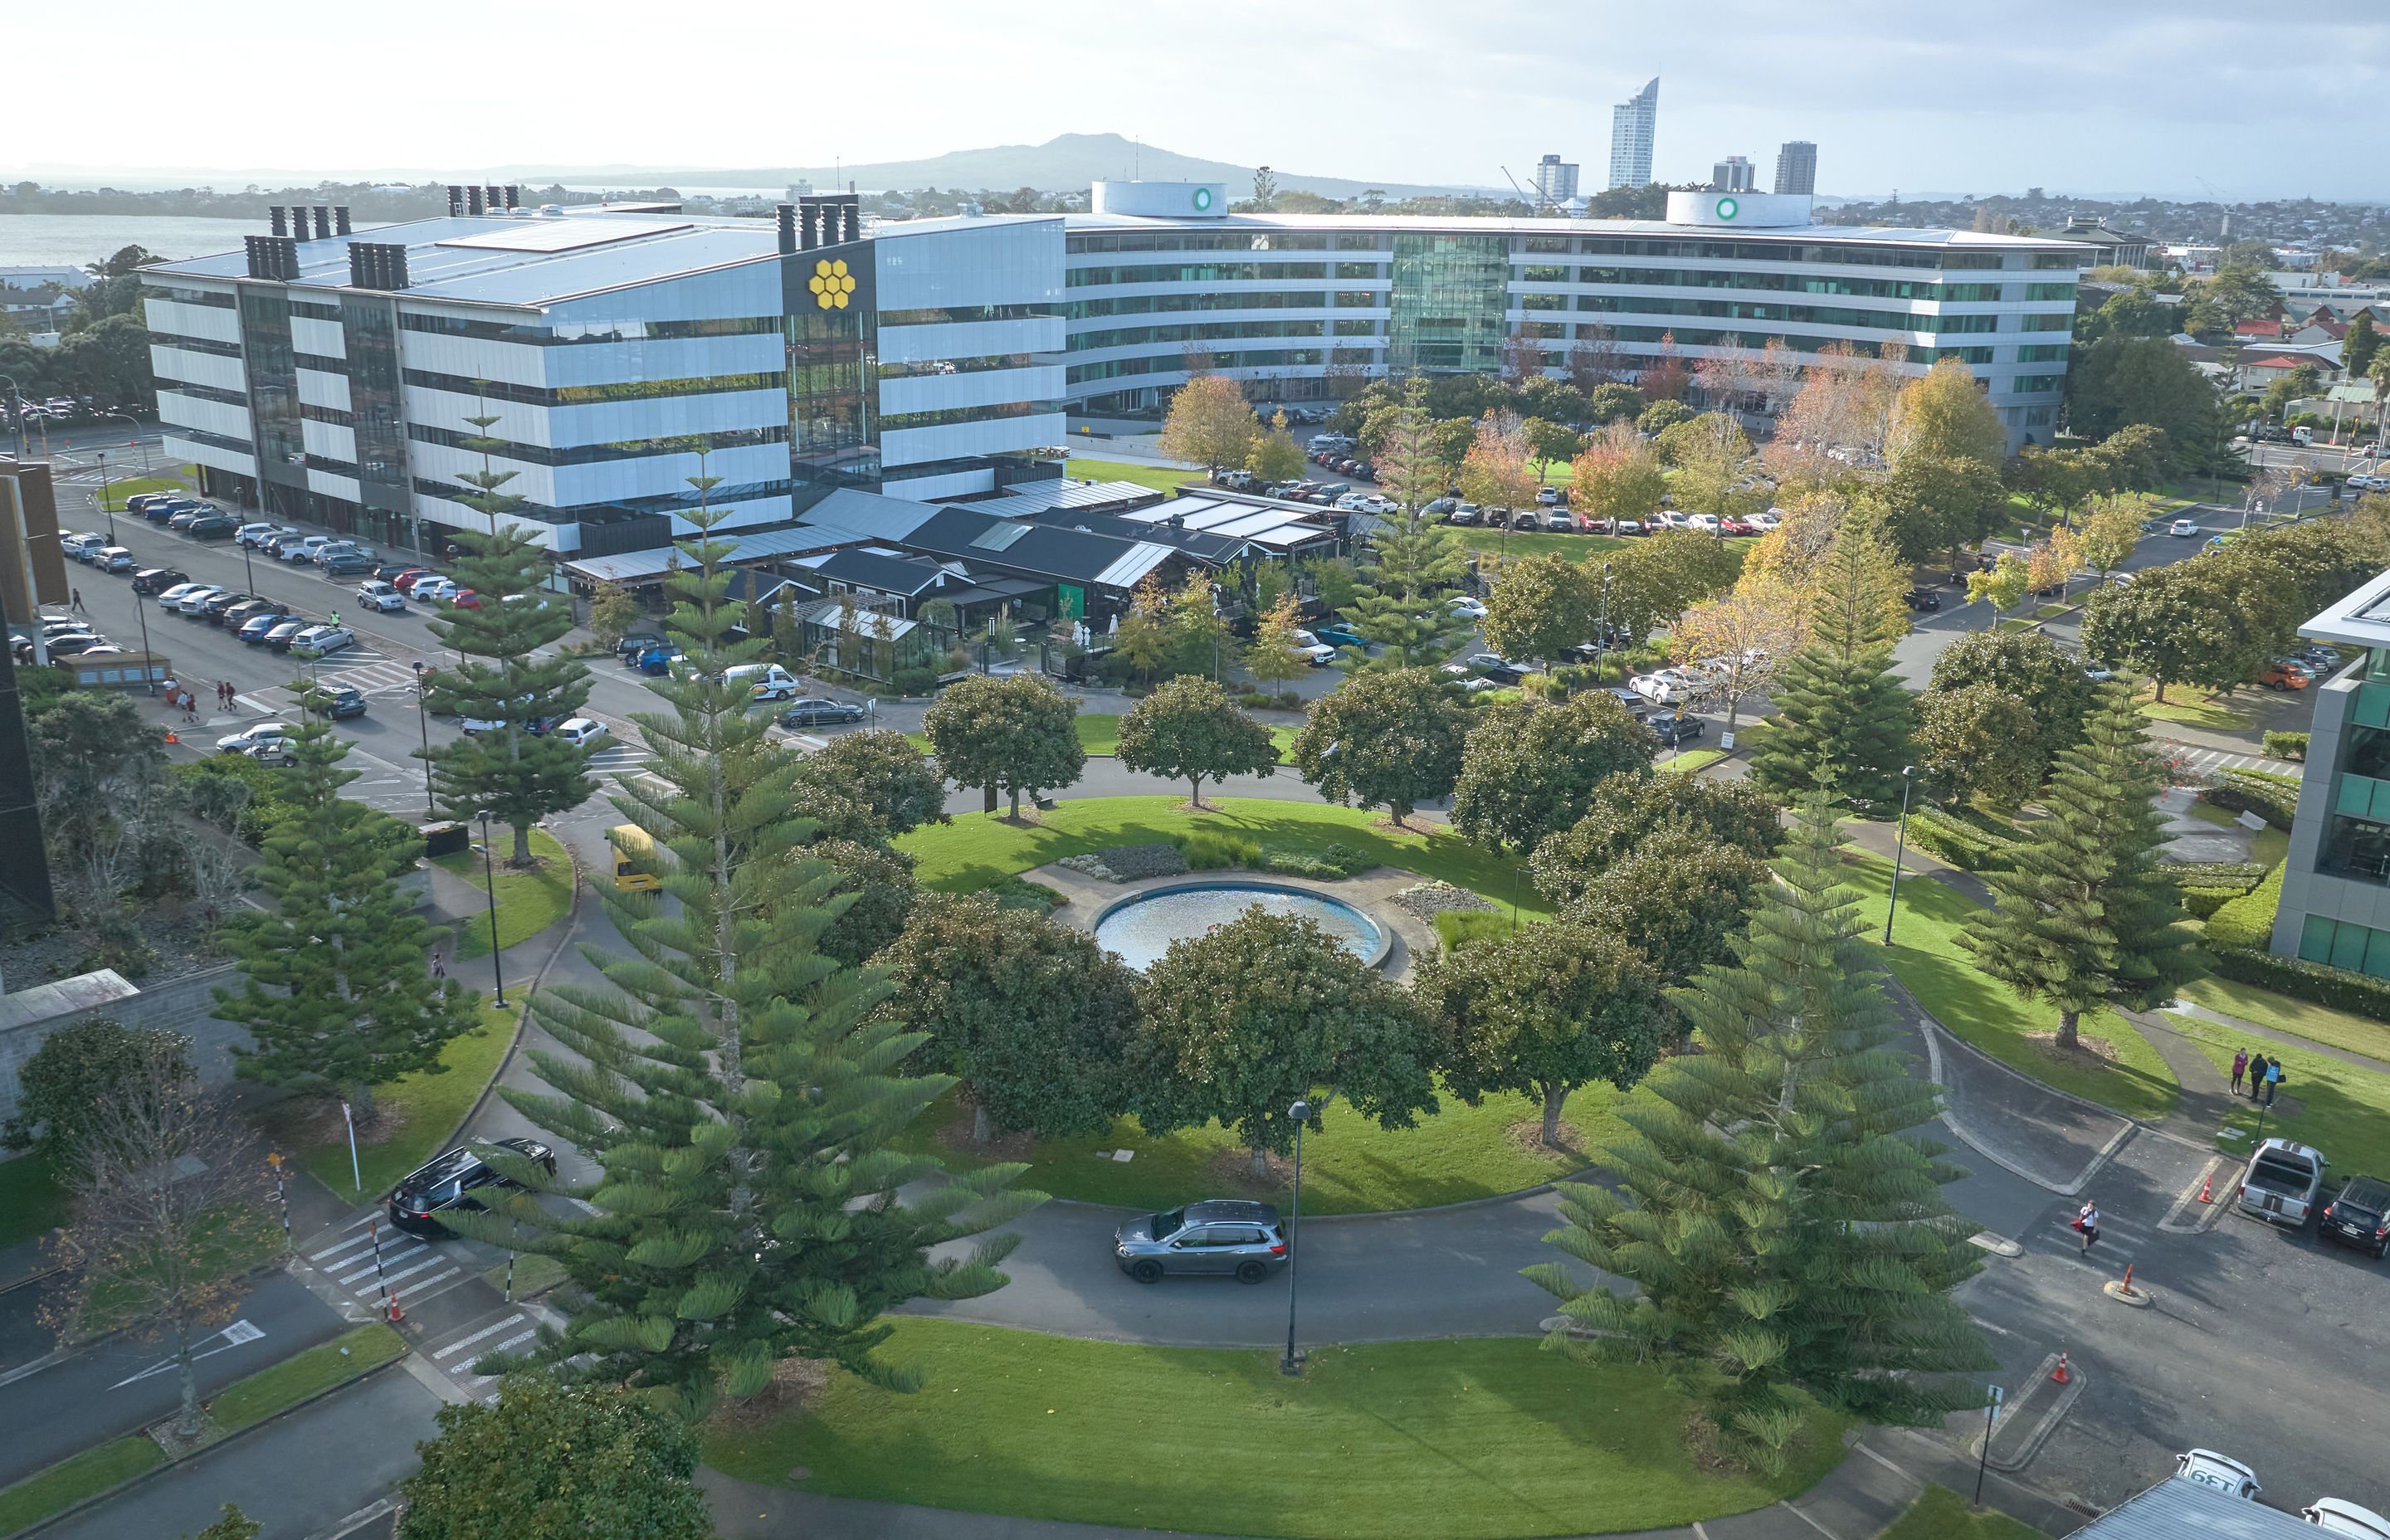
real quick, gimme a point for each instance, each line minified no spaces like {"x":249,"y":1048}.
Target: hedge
{"x":2286,"y":746}
{"x":2248,"y":920}
{"x":2236,"y":876}
{"x":2203,"y":902}
{"x":2271,"y":797}
{"x":1967,"y":846}
{"x":2334,"y":988}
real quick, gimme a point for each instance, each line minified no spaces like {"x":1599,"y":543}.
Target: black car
{"x":157,"y":580}
{"x":452,"y":1179}
{"x":212,"y":526}
{"x":1676,"y":727}
{"x":1494,"y":666}
{"x":636,"y":642}
{"x":1922,"y":598}
{"x":1631,"y":703}
{"x":814,"y":712}
{"x":2358,"y":1215}
{"x":337,"y":701}
{"x":217,"y":606}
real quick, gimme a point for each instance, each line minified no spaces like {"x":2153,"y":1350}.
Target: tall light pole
{"x":490,"y":877}
{"x":1899,"y":849}
{"x":110,"y":513}
{"x":424,"y":723}
{"x":144,"y":444}
{"x":1605,"y":609}
{"x":1292,"y":1363}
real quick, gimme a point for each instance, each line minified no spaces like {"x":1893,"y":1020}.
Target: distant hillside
{"x":1066,"y":161}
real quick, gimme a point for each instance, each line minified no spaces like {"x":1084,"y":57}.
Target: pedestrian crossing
{"x":2214,"y":761}
{"x":503,"y":1330}
{"x":377,"y":1264}
{"x":2121,"y":1239}
{"x":380,"y":676}
{"x":622,"y":759}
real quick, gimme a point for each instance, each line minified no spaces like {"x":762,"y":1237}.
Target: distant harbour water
{"x":57,"y":241}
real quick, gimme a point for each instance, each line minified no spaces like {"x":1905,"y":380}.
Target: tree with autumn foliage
{"x":1210,"y":424}
{"x":1663,"y":375}
{"x":1617,"y":475}
{"x":1495,"y":470}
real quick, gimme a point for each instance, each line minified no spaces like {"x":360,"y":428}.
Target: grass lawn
{"x":1468,"y":1440}
{"x":2195,"y":707}
{"x":32,"y":1203}
{"x":2342,"y":1110}
{"x":74,"y":1479}
{"x":422,"y":1111}
{"x":1577,"y":547}
{"x":976,"y":850}
{"x":246,"y":1403}
{"x":1690,"y":760}
{"x":1927,"y":959}
{"x":2335,"y":1029}
{"x":1100,"y":734}
{"x":1160,"y":477}
{"x":528,"y":902}
{"x":2268,"y":845}
{"x":1350,"y":1165}
{"x":1942,"y":1514}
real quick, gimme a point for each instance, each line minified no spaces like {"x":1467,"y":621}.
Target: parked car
{"x":1736,"y":526}
{"x":765,"y":681}
{"x":221,"y":604}
{"x":1662,"y":687}
{"x":68,"y":644}
{"x":250,"y":535}
{"x":213,"y":526}
{"x":453,"y":1181}
{"x":1676,"y":729}
{"x":1706,"y":522}
{"x":238,"y":615}
{"x":184,"y":517}
{"x":1922,"y":598}
{"x":317,"y":641}
{"x":2336,"y":1516}
{"x":2358,"y":1215}
{"x":1228,"y":1237}
{"x":1524,"y":518}
{"x":337,"y":701}
{"x":1628,"y":702}
{"x":253,"y":737}
{"x":2098,"y":673}
{"x":157,"y":580}
{"x":2217,"y":1472}
{"x":261,"y":625}
{"x":2285,"y":674}
{"x":430,"y":588}
{"x":374,"y":594}
{"x":171,"y":598}
{"x":1492,"y":665}
{"x":303,"y":549}
{"x":658,"y":660}
{"x":582,"y":731}
{"x":347,"y":564}
{"x":464,"y":599}
{"x":2320,"y":659}
{"x":1338,"y":634}
{"x":281,"y":636}
{"x":1462,"y":604}
{"x":1310,"y":648}
{"x":816,"y":712}
{"x":113,"y":559}
{"x":636,"y":642}
{"x":77,"y":543}
{"x":198,"y":595}
{"x":407,"y":577}
{"x":1763,"y":523}
{"x":1560,"y":520}
{"x":2282,"y":1183}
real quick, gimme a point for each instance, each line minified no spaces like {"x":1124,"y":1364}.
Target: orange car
{"x":2285,"y":674}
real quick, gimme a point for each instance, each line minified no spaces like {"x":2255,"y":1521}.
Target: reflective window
{"x":1450,"y":296}
{"x":376,"y":397}
{"x":273,"y":382}
{"x":830,"y":295}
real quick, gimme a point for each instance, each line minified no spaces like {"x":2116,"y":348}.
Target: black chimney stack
{"x":853,"y":218}
{"x":272,"y":257}
{"x":494,"y":193}
{"x":456,"y":200}
{"x":278,"y":219}
{"x":340,"y":219}
{"x":786,"y":220}
{"x":473,"y":199}
{"x":323,"y":222}
{"x":377,"y":264}
{"x":514,"y":196}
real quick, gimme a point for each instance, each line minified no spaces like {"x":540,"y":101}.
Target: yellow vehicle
{"x":635,"y":859}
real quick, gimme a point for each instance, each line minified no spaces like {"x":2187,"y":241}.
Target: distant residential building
{"x":2258,"y":373}
{"x":1797,"y":167}
{"x":1731,"y":174}
{"x":2118,"y":250}
{"x":1555,"y":182}
{"x":1632,"y":123}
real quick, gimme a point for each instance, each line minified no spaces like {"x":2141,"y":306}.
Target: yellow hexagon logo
{"x":831,"y":283}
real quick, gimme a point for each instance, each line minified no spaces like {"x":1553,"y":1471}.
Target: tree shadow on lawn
{"x":1982,"y":1012}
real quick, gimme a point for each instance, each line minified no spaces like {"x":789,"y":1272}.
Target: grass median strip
{"x":529,"y":900}
{"x":1479,"y":1439}
{"x":246,"y":1403}
{"x":417,"y":1113}
{"x":76,"y":1478}
{"x":32,"y":1201}
{"x":1942,"y":1514}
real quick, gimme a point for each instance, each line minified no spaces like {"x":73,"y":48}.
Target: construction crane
{"x":1531,"y":200}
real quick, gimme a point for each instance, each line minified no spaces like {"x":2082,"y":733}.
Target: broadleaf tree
{"x":740,"y":1091}
{"x":546,"y":1461}
{"x":1190,"y":730}
{"x":1629,"y":808}
{"x":1529,"y":771}
{"x":1541,"y":607}
{"x":1391,"y":741}
{"x":1012,"y":734}
{"x":1210,"y":424}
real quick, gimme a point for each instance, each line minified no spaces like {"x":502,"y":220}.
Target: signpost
{"x":1991,"y":1417}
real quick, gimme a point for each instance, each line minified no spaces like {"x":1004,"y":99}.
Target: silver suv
{"x":1229,"y":1236}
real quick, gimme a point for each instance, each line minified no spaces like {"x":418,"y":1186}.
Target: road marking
{"x":350,"y":1244}
{"x":379,"y":1263}
{"x":518,"y":1339}
{"x":1989,"y":1326}
{"x":432,"y":1261}
{"x":2190,"y":1196}
{"x":426,"y":1283}
{"x":1821,"y":1529}
{"x":238,"y":1334}
{"x":464,"y":1343}
{"x":357,"y":1520}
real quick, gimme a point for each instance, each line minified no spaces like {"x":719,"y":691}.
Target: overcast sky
{"x":2108,"y":96}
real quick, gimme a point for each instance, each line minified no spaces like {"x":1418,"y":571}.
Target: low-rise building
{"x":2335,"y":904}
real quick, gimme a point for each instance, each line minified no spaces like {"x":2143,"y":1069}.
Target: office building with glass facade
{"x":350,"y":380}
{"x":1302,"y":306}
{"x":2336,"y":905}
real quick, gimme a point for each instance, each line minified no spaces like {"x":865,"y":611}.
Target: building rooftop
{"x":2175,"y":1509}
{"x":528,"y":260}
{"x":1258,"y":224}
{"x":2361,"y":619}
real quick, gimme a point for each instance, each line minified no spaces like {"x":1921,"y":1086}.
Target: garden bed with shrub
{"x":2270,"y":795}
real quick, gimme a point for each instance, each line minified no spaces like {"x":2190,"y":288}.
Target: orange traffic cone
{"x":2059,"y":1376}
{"x":2207,"y":1188}
{"x":171,"y":738}
{"x":396,"y":1315}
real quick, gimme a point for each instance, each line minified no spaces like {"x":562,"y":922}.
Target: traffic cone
{"x":171,"y":738}
{"x":2059,"y":1376}
{"x":2207,"y":1188}
{"x":396,"y":1315}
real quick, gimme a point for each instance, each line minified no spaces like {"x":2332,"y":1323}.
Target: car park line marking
{"x":1821,"y":1529}
{"x":518,"y":1339}
{"x":2190,"y":1196}
{"x":426,"y":1283}
{"x":463,"y":1342}
{"x":350,"y":1244}
{"x":379,"y":1263}
{"x":434,"y":1260}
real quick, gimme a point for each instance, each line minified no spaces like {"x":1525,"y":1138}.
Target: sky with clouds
{"x":2113,"y":95}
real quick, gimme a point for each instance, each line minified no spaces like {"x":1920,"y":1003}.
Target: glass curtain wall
{"x":274,"y":399}
{"x":1449,"y":296}
{"x":831,"y":305}
{"x":378,"y":415}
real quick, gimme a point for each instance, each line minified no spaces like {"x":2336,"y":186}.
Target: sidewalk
{"x":2288,"y":1040}
{"x":2204,"y":1100}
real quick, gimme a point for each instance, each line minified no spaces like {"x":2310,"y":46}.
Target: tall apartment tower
{"x":1555,"y":182}
{"x":1797,"y":167}
{"x":1731,"y":174}
{"x":1631,"y":125}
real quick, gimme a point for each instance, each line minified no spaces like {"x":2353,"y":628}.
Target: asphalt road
{"x":54,"y":1408}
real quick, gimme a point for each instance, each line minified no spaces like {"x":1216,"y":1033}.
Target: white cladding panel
{"x":944,"y":392}
{"x":200,"y":369}
{"x":323,"y":338}
{"x":213,"y":323}
{"x":318,"y":388}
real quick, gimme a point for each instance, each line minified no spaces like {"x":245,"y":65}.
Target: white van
{"x":765,"y":681}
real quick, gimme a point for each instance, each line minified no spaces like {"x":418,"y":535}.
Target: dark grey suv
{"x":1226,"y":1235}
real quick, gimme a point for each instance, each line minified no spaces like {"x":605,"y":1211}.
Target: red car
{"x":1735,"y":526}
{"x":406,"y":580}
{"x":466,"y":599}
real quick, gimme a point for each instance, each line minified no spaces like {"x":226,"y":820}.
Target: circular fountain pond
{"x":1142,"y":928}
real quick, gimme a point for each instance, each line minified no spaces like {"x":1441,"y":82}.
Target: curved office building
{"x":1159,"y":275}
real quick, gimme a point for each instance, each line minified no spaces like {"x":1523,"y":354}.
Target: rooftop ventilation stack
{"x":323,"y":222}
{"x":514,"y":196}
{"x":456,"y":200}
{"x":340,"y":220}
{"x":473,"y":201}
{"x":278,"y":218}
{"x":786,"y":220}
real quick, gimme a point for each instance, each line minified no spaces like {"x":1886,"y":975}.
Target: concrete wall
{"x":184,"y":1005}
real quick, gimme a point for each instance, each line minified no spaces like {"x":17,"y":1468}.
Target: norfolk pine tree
{"x":739,"y":1088}
{"x":1843,"y":718}
{"x":1401,"y":606}
{"x":1776,"y":1211}
{"x":336,"y":991}
{"x":2085,"y":916}
{"x":516,"y":775}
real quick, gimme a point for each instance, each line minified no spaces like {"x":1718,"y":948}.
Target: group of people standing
{"x":2264,"y":1077}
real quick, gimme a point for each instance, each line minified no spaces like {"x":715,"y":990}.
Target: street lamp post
{"x":424,"y":723}
{"x":1899,"y":850}
{"x":490,"y":877}
{"x":144,"y":444}
{"x":1301,"y":1113}
{"x":148,"y":667}
{"x":1605,"y":612}
{"x":109,"y":512}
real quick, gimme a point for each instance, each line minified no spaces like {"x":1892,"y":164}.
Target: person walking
{"x":2240,"y":1070}
{"x":2273,"y":1080}
{"x":439,"y":969}
{"x":74,"y":600}
{"x":2087,"y":1222}
{"x":2258,"y":1068}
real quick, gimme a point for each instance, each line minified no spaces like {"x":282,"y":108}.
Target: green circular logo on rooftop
{"x":1202,"y":200}
{"x":1727,"y":208}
